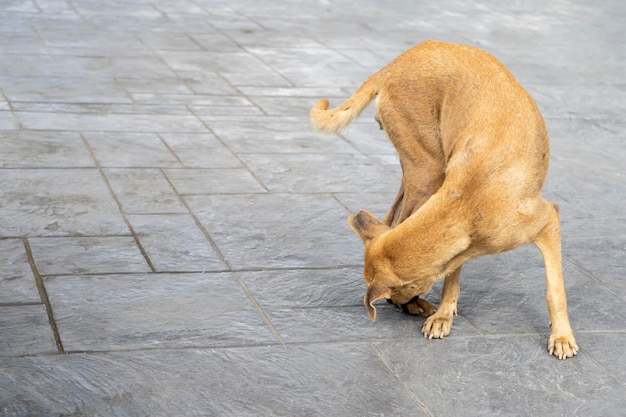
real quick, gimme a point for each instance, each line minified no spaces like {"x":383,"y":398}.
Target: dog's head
{"x":379,"y":271}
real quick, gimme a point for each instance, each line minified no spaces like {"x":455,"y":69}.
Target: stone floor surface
{"x":173,"y":235}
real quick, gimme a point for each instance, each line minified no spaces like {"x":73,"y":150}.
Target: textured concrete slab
{"x":174,"y":243}
{"x":24,"y":330}
{"x":87,"y":255}
{"x":173,"y":235}
{"x":122,"y":312}
{"x":143,"y":191}
{"x":44,"y":150}
{"x":53,"y":202}
{"x":258,"y":242}
{"x":120,"y":150}
{"x":273,"y":383}
{"x":17,"y":283}
{"x":512,"y":375}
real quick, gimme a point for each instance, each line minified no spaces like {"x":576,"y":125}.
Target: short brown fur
{"x":474,"y":153}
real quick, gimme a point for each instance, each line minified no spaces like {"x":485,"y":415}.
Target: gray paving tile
{"x":72,"y":37}
{"x":200,"y":151}
{"x":213,"y":181}
{"x":377,"y":203}
{"x":206,"y":101}
{"x":66,"y":89}
{"x":111,"y":109}
{"x":313,"y":325}
{"x":207,"y":82}
{"x":7,"y":121}
{"x":310,"y":76}
{"x":494,"y":376}
{"x":314,"y":226}
{"x":599,"y":145}
{"x":53,"y":202}
{"x":314,"y":93}
{"x":22,"y":149}
{"x":90,"y":255}
{"x":160,"y":41}
{"x":24,"y":330}
{"x":302,"y":381}
{"x":153,"y":86}
{"x":17,"y":283}
{"x":210,"y":113}
{"x":303,"y":288}
{"x":603,"y":258}
{"x":16,"y":6}
{"x":110,"y":122}
{"x":42,"y":65}
{"x":284,"y":106}
{"x":599,"y":102}
{"x":154,"y":311}
{"x":505,"y":294}
{"x":594,"y":190}
{"x":606,"y":349}
{"x":216,"y":42}
{"x":318,"y":173}
{"x":266,"y":78}
{"x":175,"y":243}
{"x":278,"y":137}
{"x":271,"y":38}
{"x":131,"y":150}
{"x":588,"y":227}
{"x":143,"y":191}
{"x":213,"y":61}
{"x":183,"y":99}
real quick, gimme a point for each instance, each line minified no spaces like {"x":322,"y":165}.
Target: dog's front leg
{"x":439,"y":324}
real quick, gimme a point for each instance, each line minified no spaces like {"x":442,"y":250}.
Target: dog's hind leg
{"x":439,"y":324}
{"x":562,"y":343}
{"x":392,"y":218}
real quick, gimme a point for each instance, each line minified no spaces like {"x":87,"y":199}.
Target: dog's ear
{"x":366,"y":225}
{"x":376,"y":291}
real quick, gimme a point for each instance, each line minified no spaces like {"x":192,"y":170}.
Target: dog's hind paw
{"x":419,"y":307}
{"x":562,"y":347}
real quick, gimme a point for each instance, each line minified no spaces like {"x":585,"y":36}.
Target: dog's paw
{"x":562,"y":347}
{"x":437,"y":327}
{"x":419,"y":307}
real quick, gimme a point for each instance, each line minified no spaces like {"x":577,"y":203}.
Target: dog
{"x":474,"y":152}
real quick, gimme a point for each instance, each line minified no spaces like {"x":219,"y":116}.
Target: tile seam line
{"x":241,"y":161}
{"x":43,"y":294}
{"x":592,"y":277}
{"x":420,"y":404}
{"x":131,"y":229}
{"x":244,"y":48}
{"x":297,"y":343}
{"x":266,"y":318}
{"x":169,"y":148}
{"x":195,"y":271}
{"x":222,"y":258}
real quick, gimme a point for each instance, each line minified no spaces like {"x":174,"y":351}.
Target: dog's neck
{"x":426,"y":245}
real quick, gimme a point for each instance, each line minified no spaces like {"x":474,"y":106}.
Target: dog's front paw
{"x":437,"y":326}
{"x":562,"y":347}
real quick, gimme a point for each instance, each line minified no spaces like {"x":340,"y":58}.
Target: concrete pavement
{"x":173,"y":235}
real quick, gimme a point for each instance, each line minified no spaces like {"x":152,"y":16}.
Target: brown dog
{"x":474,"y":154}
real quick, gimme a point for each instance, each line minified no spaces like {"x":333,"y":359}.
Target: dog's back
{"x":452,"y":109}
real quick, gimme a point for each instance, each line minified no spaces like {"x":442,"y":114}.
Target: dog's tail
{"x":334,"y":120}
